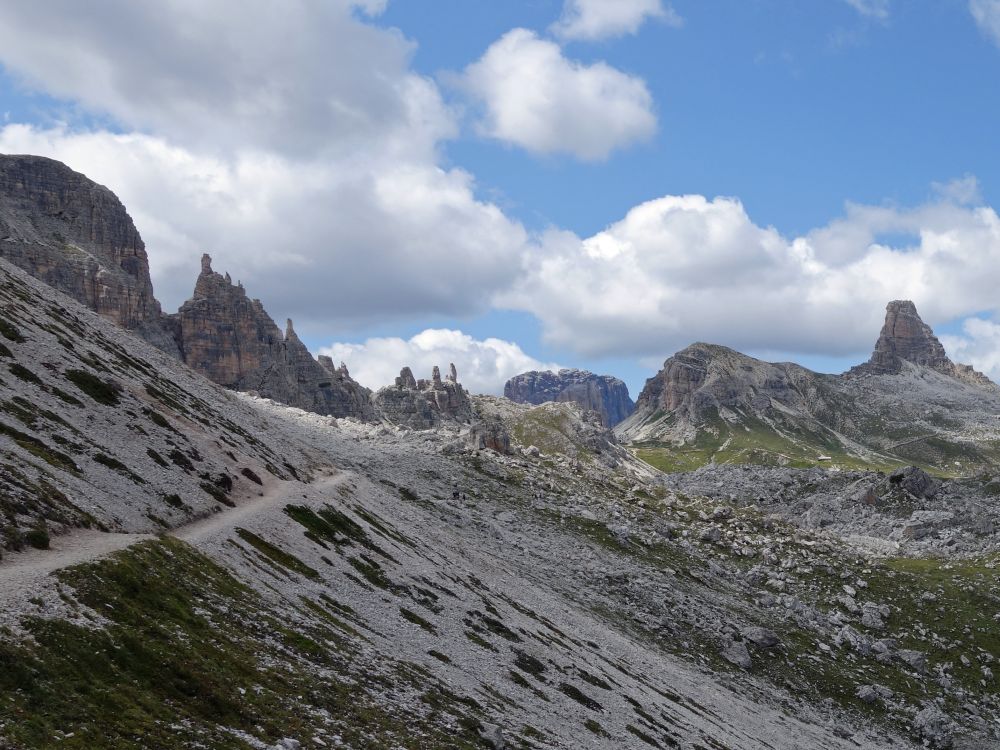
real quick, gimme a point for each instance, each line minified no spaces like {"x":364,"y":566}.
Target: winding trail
{"x":23,"y":574}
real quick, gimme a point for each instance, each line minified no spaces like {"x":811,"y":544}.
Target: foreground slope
{"x":406,"y":589}
{"x":908,"y":404}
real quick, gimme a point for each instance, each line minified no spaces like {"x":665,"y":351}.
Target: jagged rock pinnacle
{"x":905,"y":337}
{"x":206,"y":263}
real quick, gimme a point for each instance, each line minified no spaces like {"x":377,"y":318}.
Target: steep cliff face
{"x":906,"y":338}
{"x":231,"y":339}
{"x":606,"y":395}
{"x":422,"y":404}
{"x":76,"y":236}
{"x":706,"y":382}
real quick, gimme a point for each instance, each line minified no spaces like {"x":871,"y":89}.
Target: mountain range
{"x":211,"y":538}
{"x":909,"y":404}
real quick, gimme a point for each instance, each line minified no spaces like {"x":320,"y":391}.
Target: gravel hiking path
{"x":24,"y":573}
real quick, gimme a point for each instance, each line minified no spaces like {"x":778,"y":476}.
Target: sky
{"x":541,"y":183}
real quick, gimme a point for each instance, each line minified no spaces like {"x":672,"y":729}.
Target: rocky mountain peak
{"x":234,"y":342}
{"x":606,"y":395}
{"x":75,"y":235}
{"x":906,"y":338}
{"x":422,"y":404}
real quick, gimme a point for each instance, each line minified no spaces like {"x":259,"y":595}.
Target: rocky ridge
{"x":604,"y":394}
{"x":423,"y":404}
{"x":230,"y":339}
{"x":906,"y":338}
{"x":910,"y":404}
{"x":76,"y":236}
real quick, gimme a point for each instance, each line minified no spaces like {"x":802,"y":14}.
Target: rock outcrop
{"x":906,"y":338}
{"x":606,"y":395}
{"x":423,"y":404}
{"x":75,"y":235}
{"x":230,"y":338}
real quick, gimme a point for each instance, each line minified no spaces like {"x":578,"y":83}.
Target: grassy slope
{"x":188,"y":655}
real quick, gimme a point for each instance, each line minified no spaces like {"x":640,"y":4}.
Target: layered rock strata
{"x":230,"y":338}
{"x":606,"y":395}
{"x":76,"y":236}
{"x":906,"y":338}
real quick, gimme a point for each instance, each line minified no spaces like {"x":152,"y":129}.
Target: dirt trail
{"x":22,"y":573}
{"x":225,"y":521}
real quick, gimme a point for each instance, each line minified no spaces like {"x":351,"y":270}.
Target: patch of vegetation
{"x":116,"y":465}
{"x":528,"y":663}
{"x":10,"y":332}
{"x":218,"y":493}
{"x":632,"y":729}
{"x":102,"y":391}
{"x":36,"y":447}
{"x":38,"y":535}
{"x":480,"y":641}
{"x":251,"y":475}
{"x":372,"y":572}
{"x":276,"y":555}
{"x":416,"y":619}
{"x":181,"y":460}
{"x":160,"y":461}
{"x":175,"y":501}
{"x":20,"y":371}
{"x":165,"y":399}
{"x":182,"y":637}
{"x":65,"y":397}
{"x":482,"y":623}
{"x":579,"y":696}
{"x":158,"y":419}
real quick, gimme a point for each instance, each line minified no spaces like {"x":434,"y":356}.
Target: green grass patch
{"x":102,"y":391}
{"x":280,"y":557}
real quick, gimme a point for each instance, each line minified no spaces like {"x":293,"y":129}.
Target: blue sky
{"x":789,"y":112}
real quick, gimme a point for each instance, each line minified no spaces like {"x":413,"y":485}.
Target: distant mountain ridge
{"x":908,"y":404}
{"x":606,"y":395}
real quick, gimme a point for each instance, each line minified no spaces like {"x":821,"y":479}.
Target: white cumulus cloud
{"x":483,"y":365}
{"x":603,"y":19}
{"x":987,"y":16}
{"x":680,"y":269}
{"x":534,"y":97}
{"x":977,"y":345}
{"x":291,"y":141}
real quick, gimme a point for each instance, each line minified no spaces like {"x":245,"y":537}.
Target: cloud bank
{"x":483,"y":366}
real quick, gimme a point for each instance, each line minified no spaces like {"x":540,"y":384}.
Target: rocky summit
{"x":230,"y":338}
{"x":422,"y":404}
{"x":76,"y":236}
{"x":909,"y":404}
{"x":604,"y":394}
{"x":906,"y":338}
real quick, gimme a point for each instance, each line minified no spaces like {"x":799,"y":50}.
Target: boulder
{"x":916,"y":481}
